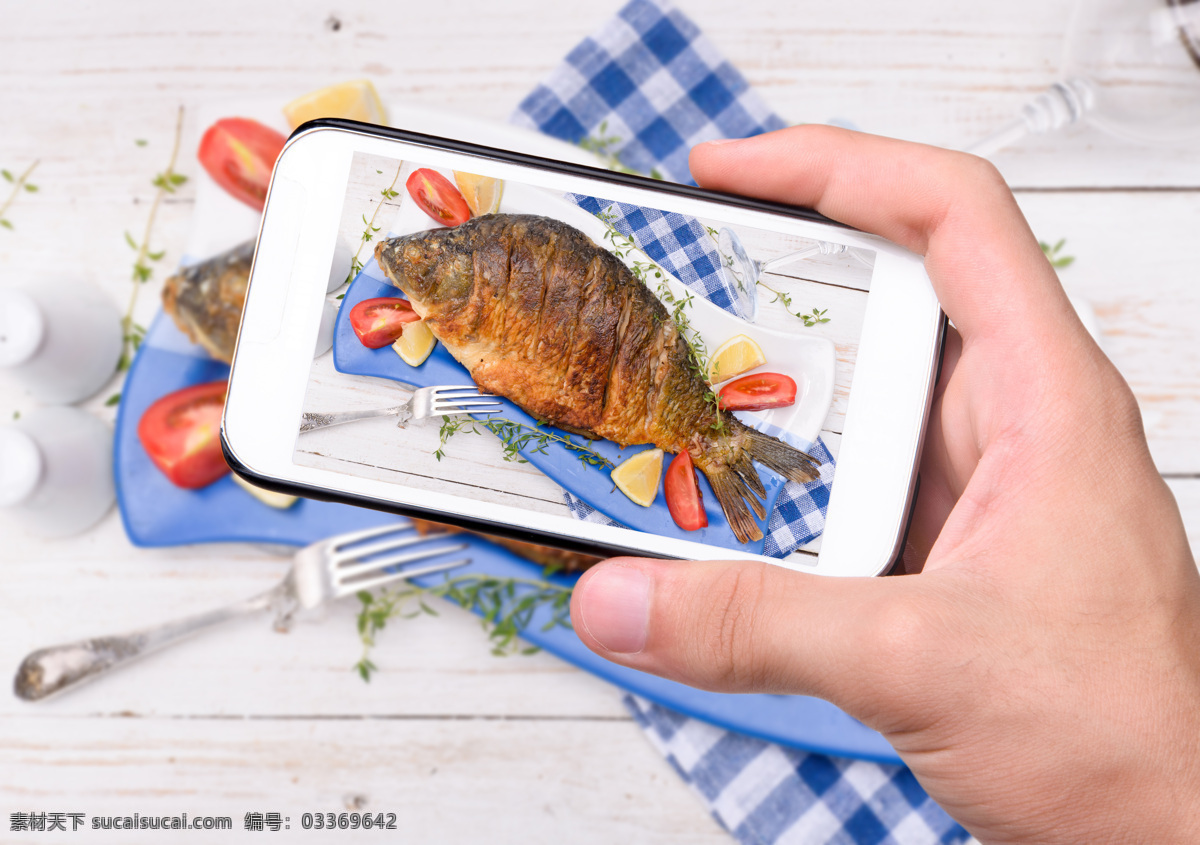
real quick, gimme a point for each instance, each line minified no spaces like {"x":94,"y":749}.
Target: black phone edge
{"x":571,"y":169}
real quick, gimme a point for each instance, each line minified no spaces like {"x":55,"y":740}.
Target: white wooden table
{"x":460,"y":744}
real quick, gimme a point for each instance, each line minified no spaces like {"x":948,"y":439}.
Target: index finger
{"x":953,"y":208}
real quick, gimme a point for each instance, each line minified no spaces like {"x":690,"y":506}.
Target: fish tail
{"x":736,"y":500}
{"x":776,"y":455}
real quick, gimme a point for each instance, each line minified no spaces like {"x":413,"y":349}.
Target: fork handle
{"x":51,"y":670}
{"x":310,"y":421}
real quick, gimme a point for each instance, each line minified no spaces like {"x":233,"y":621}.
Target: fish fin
{"x":733,"y":494}
{"x":776,"y":455}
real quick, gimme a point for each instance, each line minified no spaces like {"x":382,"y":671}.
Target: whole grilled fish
{"x":541,"y":315}
{"x":206,"y":299}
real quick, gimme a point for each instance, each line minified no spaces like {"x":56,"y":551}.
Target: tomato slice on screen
{"x":683,"y":496}
{"x":437,"y":197}
{"x":378,"y":322}
{"x":758,"y":392}
{"x":181,"y":434}
{"x":238,"y":154}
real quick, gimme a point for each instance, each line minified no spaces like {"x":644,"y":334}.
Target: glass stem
{"x":1062,"y":104}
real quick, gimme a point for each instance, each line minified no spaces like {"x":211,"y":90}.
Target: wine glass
{"x":741,"y":272}
{"x":1129,"y":67}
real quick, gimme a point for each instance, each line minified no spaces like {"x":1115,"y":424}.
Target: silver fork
{"x":440,"y":401}
{"x":326,"y":570}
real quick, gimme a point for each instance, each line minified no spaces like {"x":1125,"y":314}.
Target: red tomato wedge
{"x":378,"y":322}
{"x":181,"y":434}
{"x":758,"y":392}
{"x":238,"y":154}
{"x":437,"y":197}
{"x":683,"y":496}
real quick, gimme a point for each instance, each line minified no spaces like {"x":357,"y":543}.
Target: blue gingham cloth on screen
{"x":654,"y":82}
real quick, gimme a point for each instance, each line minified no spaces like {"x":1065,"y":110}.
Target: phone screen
{"x":671,"y":374}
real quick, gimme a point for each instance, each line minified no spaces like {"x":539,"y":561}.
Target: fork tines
{"x":359,"y":566}
{"x":456,"y":400}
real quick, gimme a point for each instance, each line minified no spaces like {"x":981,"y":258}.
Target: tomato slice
{"x":238,"y":154}
{"x":437,"y":197}
{"x":378,"y":322}
{"x":758,"y":392}
{"x":181,"y":434}
{"x":684,"y":500}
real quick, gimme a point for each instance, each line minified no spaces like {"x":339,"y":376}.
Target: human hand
{"x":1041,"y":673}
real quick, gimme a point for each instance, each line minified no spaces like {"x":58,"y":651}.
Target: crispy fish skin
{"x":541,"y":315}
{"x":206,"y":299}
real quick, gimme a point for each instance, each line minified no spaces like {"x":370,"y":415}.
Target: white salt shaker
{"x":56,"y":474}
{"x":63,"y":344}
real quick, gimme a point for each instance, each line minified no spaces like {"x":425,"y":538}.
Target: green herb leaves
{"x":165,"y":182}
{"x":1058,"y":262}
{"x":388,"y":193}
{"x":508,"y":606}
{"x":19,"y":184}
{"x":517,"y":436}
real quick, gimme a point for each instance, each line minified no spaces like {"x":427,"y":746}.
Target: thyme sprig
{"x":388,"y":193}
{"x":1058,"y":262}
{"x":165,"y":182}
{"x":677,"y":307}
{"x":507,"y":606}
{"x":605,"y":146}
{"x":810,"y":319}
{"x":517,"y":436}
{"x":19,"y":183}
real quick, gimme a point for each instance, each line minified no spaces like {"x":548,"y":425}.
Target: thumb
{"x":753,"y":627}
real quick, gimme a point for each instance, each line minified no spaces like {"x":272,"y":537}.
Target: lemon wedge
{"x":415,"y":344}
{"x":638,"y":477}
{"x":355,"y":100}
{"x":734,"y":357}
{"x":482,"y":193}
{"x":282,"y":501}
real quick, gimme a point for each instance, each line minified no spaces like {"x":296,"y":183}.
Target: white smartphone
{"x":676,"y":372}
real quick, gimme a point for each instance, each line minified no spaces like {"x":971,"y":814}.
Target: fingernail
{"x":716,"y":142}
{"x":615,"y":607}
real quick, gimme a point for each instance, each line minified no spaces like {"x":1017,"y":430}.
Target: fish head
{"x":206,"y":299}
{"x":425,"y":265}
{"x":411,"y":262}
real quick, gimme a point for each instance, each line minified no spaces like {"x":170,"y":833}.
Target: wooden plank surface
{"x":447,"y":735}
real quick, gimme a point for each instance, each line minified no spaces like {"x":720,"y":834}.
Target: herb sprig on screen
{"x":605,"y":146}
{"x":1058,"y":262}
{"x":517,"y":436}
{"x":165,"y":182}
{"x":19,"y":184}
{"x":652,"y":276}
{"x":388,"y":193}
{"x":810,"y":319}
{"x":507,"y":606}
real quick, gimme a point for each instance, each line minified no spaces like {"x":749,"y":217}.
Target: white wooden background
{"x":460,"y":744}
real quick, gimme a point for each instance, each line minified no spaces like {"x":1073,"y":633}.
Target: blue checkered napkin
{"x":762,"y":793}
{"x":655,"y":84}
{"x":678,"y":244}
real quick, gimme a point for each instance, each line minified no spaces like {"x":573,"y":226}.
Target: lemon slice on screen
{"x":355,"y":100}
{"x":638,"y":477}
{"x":282,"y":501}
{"x":734,"y":357}
{"x":482,"y":193}
{"x":415,"y":344}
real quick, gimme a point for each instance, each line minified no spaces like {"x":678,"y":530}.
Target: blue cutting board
{"x":157,"y":513}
